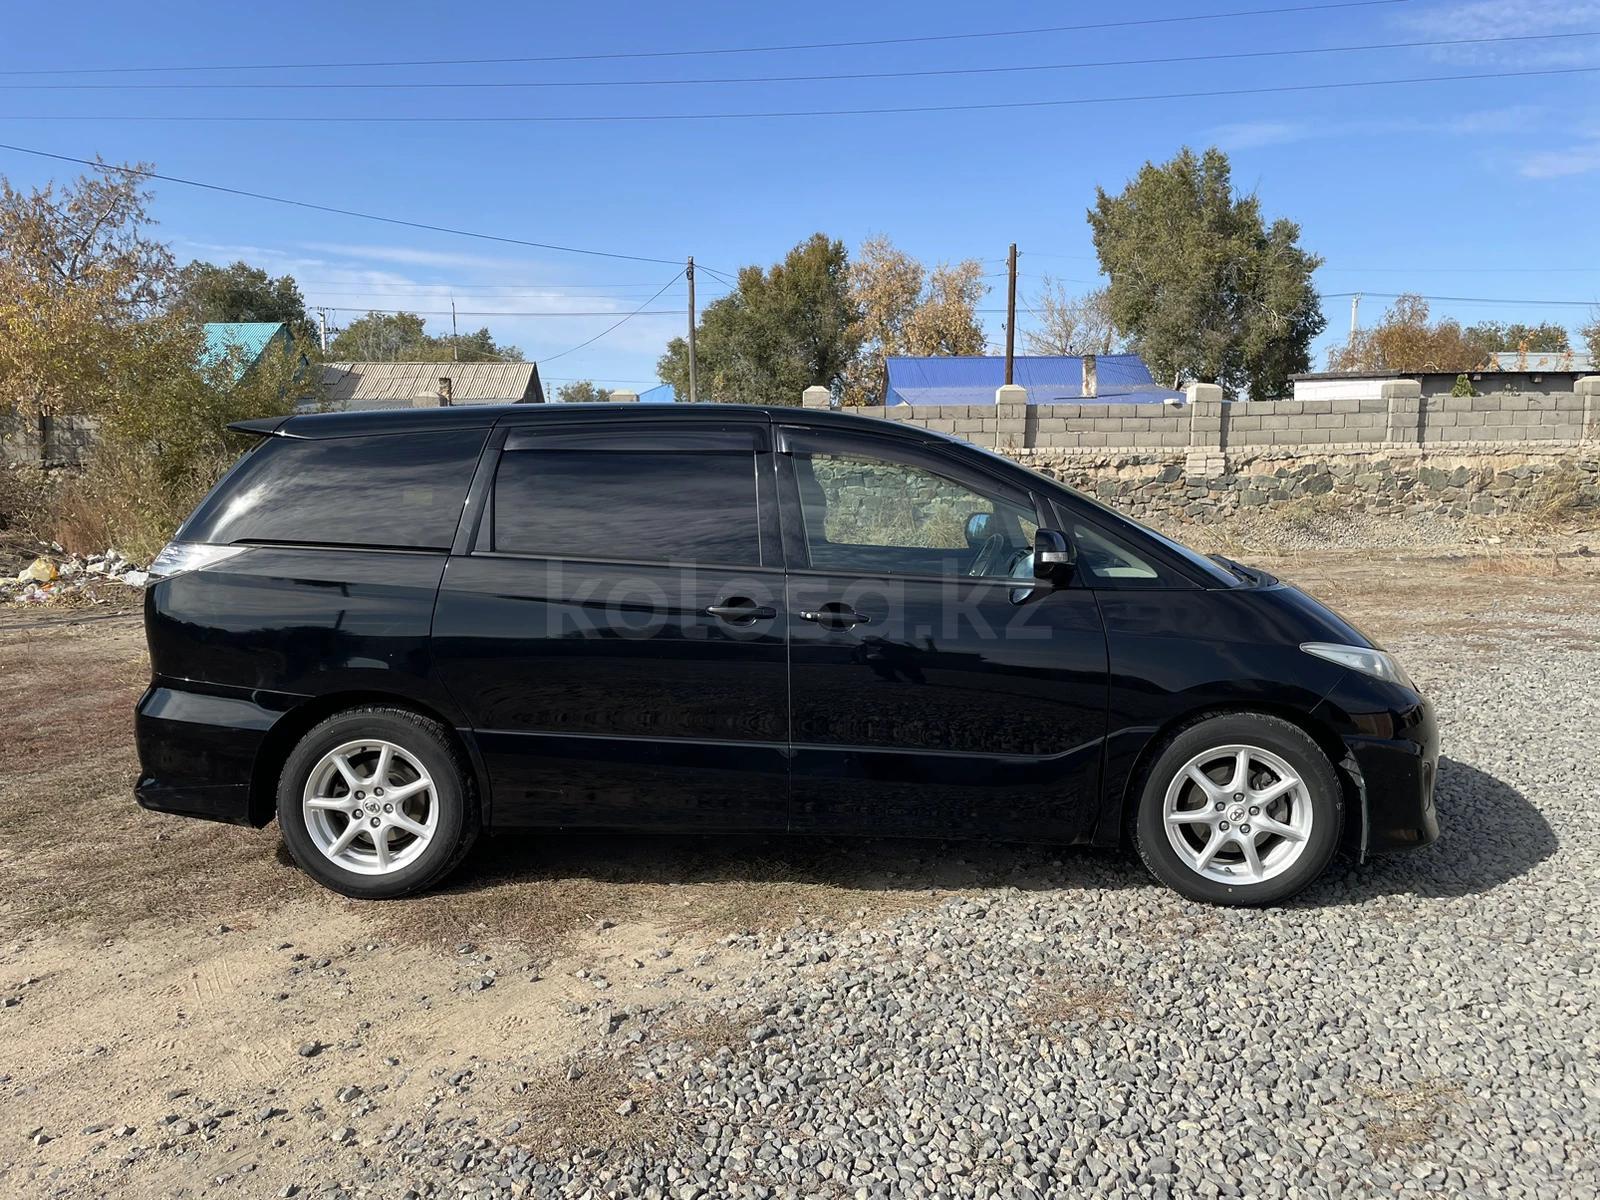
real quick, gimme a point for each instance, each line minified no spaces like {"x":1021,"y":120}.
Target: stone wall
{"x":1488,"y":480}
{"x":49,"y":442}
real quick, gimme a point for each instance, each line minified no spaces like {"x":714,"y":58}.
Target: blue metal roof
{"x":662,"y":393}
{"x":972,"y":379}
{"x":248,"y":337}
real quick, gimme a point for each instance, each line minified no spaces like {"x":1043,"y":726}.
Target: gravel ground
{"x":1422,"y":1024}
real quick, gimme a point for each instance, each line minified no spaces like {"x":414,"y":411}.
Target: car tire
{"x":371,"y":775}
{"x":1258,"y":783}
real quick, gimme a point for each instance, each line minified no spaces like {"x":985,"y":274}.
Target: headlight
{"x":179,"y":558}
{"x":1377,"y":663}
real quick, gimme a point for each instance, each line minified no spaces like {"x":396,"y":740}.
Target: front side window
{"x":868,"y":513}
{"x":638,"y":506}
{"x":1106,"y":562}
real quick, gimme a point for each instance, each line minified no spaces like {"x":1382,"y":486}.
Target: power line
{"x":619,"y":324}
{"x":141,"y":173}
{"x":1466,"y":299}
{"x":638,"y":54}
{"x":900,"y":110}
{"x":838,"y":77}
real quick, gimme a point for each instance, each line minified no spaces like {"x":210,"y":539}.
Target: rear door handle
{"x":739,"y":611}
{"x":835,"y":616}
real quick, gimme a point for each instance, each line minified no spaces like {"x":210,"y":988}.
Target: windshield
{"x":1213,"y":572}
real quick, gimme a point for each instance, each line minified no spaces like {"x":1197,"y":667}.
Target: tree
{"x":1405,"y":341}
{"x":401,"y":337}
{"x":1204,"y":288}
{"x":79,"y":273}
{"x":905,"y":310}
{"x":1590,"y":333}
{"x":1489,"y":338}
{"x":780,"y":331}
{"x":1072,"y":325}
{"x":581,"y":391}
{"x":203,"y":292}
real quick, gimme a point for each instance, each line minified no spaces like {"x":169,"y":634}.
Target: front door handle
{"x":835,"y":616}
{"x":740,"y":611}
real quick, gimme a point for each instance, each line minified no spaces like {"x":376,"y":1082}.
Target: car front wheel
{"x":1240,"y":809}
{"x":375,"y":803}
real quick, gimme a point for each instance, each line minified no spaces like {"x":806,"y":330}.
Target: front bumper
{"x":1393,"y":740}
{"x":197,"y":750}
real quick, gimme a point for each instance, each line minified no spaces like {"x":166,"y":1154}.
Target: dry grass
{"x":1406,"y":1119}
{"x":1536,"y":566}
{"x":1061,"y":1003}
{"x":595,"y":1103}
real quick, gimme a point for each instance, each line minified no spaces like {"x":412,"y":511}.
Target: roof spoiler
{"x":260,"y":426}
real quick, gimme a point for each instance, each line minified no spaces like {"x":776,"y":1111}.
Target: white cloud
{"x":1509,"y":18}
{"x":1578,"y":159}
{"x":411,"y":256}
{"x":1251,"y":135}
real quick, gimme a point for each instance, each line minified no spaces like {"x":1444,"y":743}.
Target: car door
{"x":936,"y":687}
{"x":613,"y":623}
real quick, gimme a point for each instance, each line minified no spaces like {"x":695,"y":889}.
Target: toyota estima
{"x":395,"y":630}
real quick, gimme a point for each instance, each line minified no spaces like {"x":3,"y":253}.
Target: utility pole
{"x":1355,"y":316}
{"x":694,"y":383}
{"x":455,"y":338}
{"x":1011,"y":310}
{"x":322,"y":328}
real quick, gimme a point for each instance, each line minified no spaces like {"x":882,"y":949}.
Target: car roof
{"x":483,"y":416}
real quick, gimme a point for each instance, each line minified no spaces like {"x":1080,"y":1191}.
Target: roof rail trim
{"x":260,"y":426}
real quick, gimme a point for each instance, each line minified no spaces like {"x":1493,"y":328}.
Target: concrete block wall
{"x":1401,"y":417}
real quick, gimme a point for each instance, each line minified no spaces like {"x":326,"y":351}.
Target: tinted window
{"x":642,"y":506}
{"x":402,"y":490}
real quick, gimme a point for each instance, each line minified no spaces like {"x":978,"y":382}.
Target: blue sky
{"x":1482,"y":188}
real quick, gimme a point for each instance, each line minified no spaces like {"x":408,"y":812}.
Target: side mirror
{"x":1053,"y":557}
{"x":978,"y":529}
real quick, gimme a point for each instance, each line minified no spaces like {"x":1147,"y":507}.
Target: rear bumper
{"x":1394,"y":748}
{"x":197,"y":750}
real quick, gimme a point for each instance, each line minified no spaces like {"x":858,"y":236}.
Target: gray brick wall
{"x":1436,"y":420}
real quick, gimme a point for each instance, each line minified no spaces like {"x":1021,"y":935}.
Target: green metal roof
{"x":249,"y":338}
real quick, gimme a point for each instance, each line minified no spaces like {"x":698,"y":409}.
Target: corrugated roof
{"x":251,"y":337}
{"x":399,"y":384}
{"x":1544,"y":360}
{"x":1050,"y":379}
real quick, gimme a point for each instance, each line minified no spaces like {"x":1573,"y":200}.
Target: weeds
{"x":1408,"y":1118}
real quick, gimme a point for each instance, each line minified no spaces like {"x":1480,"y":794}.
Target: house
{"x":244,"y":342}
{"x":1049,"y":379}
{"x":1530,"y":380}
{"x":362,"y":385}
{"x":1546,"y":361}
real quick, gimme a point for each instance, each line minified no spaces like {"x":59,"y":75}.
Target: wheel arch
{"x":298,"y":721}
{"x":1326,"y":737}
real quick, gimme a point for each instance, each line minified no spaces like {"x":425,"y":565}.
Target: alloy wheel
{"x":1237,"y":814}
{"x":370,"y":806}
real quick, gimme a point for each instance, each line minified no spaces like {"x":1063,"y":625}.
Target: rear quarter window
{"x":396,"y":490}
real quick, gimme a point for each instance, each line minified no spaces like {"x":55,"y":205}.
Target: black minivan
{"x":393,"y":630}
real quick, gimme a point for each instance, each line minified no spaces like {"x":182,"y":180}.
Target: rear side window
{"x":640,"y":506}
{"x":400,"y":490}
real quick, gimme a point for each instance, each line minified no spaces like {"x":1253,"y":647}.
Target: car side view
{"x":392,"y":631}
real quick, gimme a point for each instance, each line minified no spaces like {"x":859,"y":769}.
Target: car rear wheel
{"x":376,"y":803}
{"x":1240,"y":809}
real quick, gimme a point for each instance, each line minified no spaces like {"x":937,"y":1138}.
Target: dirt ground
{"x":163,"y":977}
